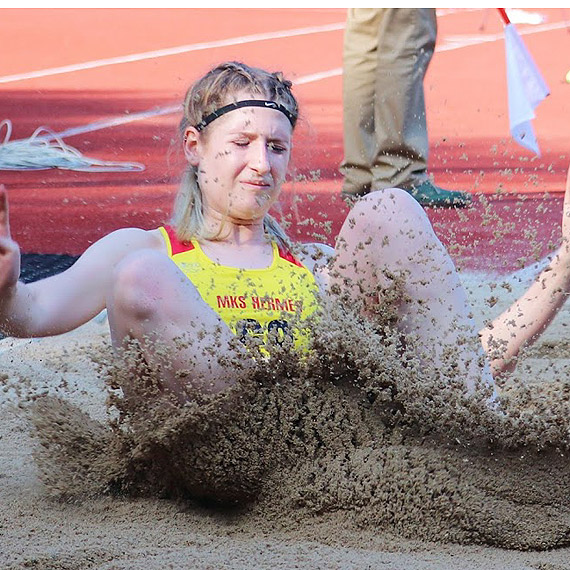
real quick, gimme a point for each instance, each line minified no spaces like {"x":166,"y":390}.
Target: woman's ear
{"x":191,"y":143}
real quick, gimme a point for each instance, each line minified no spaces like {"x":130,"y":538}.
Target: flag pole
{"x":503,"y":13}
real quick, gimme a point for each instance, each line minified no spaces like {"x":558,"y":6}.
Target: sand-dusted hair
{"x":206,"y":95}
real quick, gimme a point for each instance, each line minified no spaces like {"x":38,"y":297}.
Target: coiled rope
{"x":45,"y":149}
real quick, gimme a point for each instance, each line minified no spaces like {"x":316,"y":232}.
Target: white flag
{"x":526,"y":89}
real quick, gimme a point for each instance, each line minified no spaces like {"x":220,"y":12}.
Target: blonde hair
{"x":204,"y":97}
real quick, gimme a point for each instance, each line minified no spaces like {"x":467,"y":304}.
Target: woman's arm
{"x":523,"y":322}
{"x":65,"y":301}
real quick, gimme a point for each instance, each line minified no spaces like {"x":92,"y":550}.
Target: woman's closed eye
{"x":277,"y":148}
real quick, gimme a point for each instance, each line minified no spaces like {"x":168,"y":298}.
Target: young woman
{"x":224,"y":271}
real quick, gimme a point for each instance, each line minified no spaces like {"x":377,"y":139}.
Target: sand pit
{"x":331,"y":474}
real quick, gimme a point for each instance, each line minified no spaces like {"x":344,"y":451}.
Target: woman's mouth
{"x":259,"y":184}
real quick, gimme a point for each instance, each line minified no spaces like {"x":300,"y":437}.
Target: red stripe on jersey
{"x":288,"y":256}
{"x":177,"y":245}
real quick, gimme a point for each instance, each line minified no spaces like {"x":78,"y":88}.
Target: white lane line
{"x":113,"y":122}
{"x":159,"y":111}
{"x":168,"y":110}
{"x":242,"y":40}
{"x":173,"y":51}
{"x":190,"y":47}
{"x":318,"y":76}
{"x":449,"y":43}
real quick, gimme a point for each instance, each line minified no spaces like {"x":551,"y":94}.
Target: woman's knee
{"x":388,"y":201}
{"x":386,"y":216}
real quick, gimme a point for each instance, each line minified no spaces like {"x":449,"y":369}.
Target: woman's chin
{"x":247,"y":216}
{"x":252,"y":211}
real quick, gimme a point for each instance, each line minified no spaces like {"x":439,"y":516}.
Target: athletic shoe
{"x":427,"y":194}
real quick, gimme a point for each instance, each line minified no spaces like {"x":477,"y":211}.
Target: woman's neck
{"x":238,"y":234}
{"x":245,"y":246}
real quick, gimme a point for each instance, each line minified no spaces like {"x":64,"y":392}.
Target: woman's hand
{"x":9,"y":250}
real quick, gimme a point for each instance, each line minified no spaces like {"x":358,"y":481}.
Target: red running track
{"x":517,"y":210}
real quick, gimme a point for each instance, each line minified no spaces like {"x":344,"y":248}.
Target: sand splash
{"x":356,"y":429}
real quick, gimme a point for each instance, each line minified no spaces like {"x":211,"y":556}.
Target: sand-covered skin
{"x":341,"y":480}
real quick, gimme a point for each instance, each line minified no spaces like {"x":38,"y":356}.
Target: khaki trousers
{"x":386,"y":54}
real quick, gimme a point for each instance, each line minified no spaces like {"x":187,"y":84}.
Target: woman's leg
{"x":154,"y":303}
{"x":387,"y":238}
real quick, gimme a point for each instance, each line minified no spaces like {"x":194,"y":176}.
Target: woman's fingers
{"x":9,"y":251}
{"x":4,"y":218}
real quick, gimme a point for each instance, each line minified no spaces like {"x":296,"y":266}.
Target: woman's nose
{"x":259,"y":159}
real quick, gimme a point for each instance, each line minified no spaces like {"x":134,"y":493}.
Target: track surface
{"x":76,"y":68}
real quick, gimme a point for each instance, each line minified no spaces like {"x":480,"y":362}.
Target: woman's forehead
{"x":254,"y":119}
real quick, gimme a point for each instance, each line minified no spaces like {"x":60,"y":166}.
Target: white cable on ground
{"x":41,"y":152}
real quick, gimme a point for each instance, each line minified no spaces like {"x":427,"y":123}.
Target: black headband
{"x":247,"y":103}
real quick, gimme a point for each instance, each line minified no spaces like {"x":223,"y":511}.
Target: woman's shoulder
{"x":316,"y":258}
{"x":314,"y":254}
{"x":133,"y":239}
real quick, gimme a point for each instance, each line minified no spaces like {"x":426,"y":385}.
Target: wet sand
{"x":331,"y":475}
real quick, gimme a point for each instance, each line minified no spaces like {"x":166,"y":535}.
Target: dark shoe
{"x":427,"y":194}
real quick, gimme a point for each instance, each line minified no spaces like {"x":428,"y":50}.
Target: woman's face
{"x":241,"y":160}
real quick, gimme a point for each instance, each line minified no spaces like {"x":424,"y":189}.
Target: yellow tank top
{"x":258,"y":302}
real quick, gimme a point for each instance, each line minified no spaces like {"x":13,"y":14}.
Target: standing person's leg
{"x":406,"y":41}
{"x":153,"y":302}
{"x":359,"y":83}
{"x":386,"y":54}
